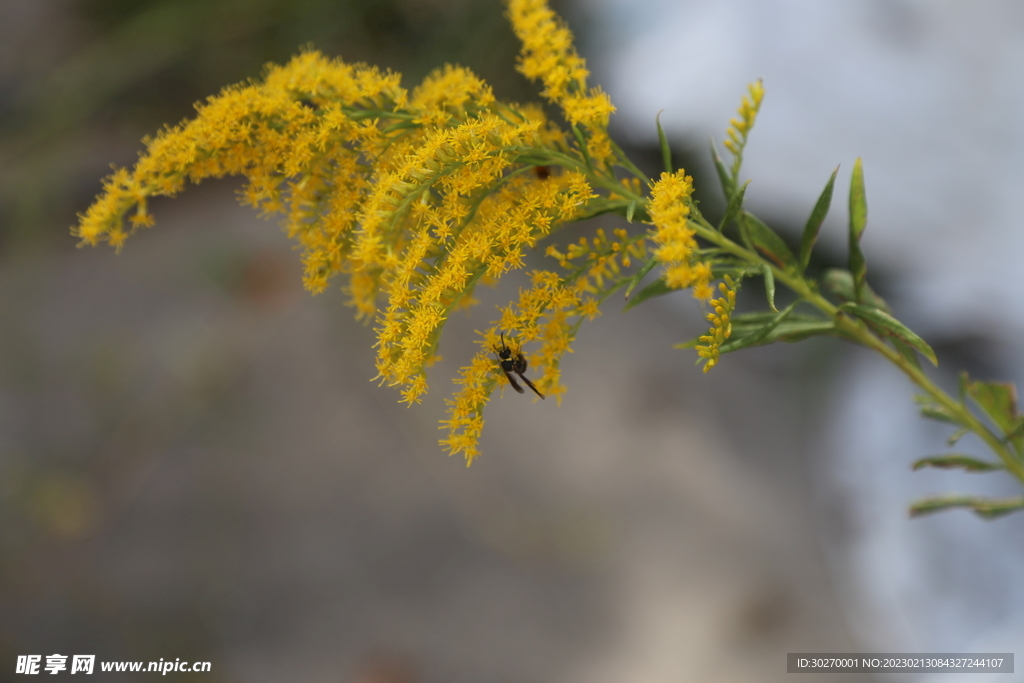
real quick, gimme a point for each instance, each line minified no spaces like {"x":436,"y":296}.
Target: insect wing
{"x":515,"y":384}
{"x":529,"y":384}
{"x":519,"y":366}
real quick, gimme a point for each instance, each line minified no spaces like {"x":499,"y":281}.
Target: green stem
{"x":858,"y":331}
{"x":852,"y":328}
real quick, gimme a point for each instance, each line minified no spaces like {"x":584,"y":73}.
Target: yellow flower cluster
{"x":740,"y":127}
{"x":414,"y":196}
{"x":551,"y":312}
{"x":417,"y":197}
{"x":544,"y":312}
{"x":721,"y":325}
{"x":677,"y":246}
{"x":548,"y":54}
{"x":290,"y":133}
{"x":603,"y":258}
{"x":423,"y":291}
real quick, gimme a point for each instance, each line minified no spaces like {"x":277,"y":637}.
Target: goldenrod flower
{"x":548,"y":55}
{"x":677,"y":245}
{"x":739,"y":127}
{"x":415,"y":198}
{"x":721,"y":326}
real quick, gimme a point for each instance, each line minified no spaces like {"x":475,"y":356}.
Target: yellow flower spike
{"x":465,"y":422}
{"x":414,"y":391}
{"x":677,"y":250}
{"x":739,"y":127}
{"x":721,"y":325}
{"x":548,"y":55}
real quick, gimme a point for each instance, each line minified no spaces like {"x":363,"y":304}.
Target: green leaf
{"x":940,"y":413}
{"x":750,"y":321}
{"x":958,"y":461}
{"x":656,"y":288}
{"x":858,"y":219}
{"x":1016,"y":435}
{"x":815,"y":220}
{"x":936,"y":411}
{"x":790,"y":331}
{"x":630,"y":210}
{"x":906,"y":350}
{"x":769,"y":285}
{"x":998,"y":400}
{"x":735,"y":204}
{"x":640,"y":275}
{"x":884,"y":323}
{"x":840,"y":283}
{"x":724,"y":177}
{"x":794,"y":327}
{"x":764,"y":239}
{"x":963,"y":384}
{"x":759,"y":336}
{"x":666,"y":151}
{"x":582,"y":142}
{"x":957,"y":435}
{"x":786,"y":331}
{"x":989,"y":508}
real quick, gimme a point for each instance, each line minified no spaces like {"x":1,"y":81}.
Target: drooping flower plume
{"x":414,"y":198}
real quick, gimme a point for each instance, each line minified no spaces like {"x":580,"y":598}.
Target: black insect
{"x":514,"y":362}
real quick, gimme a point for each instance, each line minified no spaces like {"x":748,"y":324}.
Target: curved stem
{"x":858,"y":331}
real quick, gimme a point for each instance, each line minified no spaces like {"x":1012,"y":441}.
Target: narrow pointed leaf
{"x":791,"y":332}
{"x":627,"y":163}
{"x":815,"y":220}
{"x":760,"y":335}
{"x":906,"y":350}
{"x":957,"y":435}
{"x":640,"y":275}
{"x":858,"y":200}
{"x":757,"y":318}
{"x":957,"y":461}
{"x":989,"y":508}
{"x":749,"y":329}
{"x":666,"y":151}
{"x":724,"y":177}
{"x":735,"y":204}
{"x":885,"y":324}
{"x":786,"y":331}
{"x":936,"y":412}
{"x":654,"y":289}
{"x":747,"y":323}
{"x":582,"y":142}
{"x":858,"y":220}
{"x":840,"y":283}
{"x":998,"y":400}
{"x":1016,"y":435}
{"x":766,"y":241}
{"x":769,"y":285}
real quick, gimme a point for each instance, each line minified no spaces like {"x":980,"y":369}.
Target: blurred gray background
{"x":194,"y":463}
{"x":929,"y":94}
